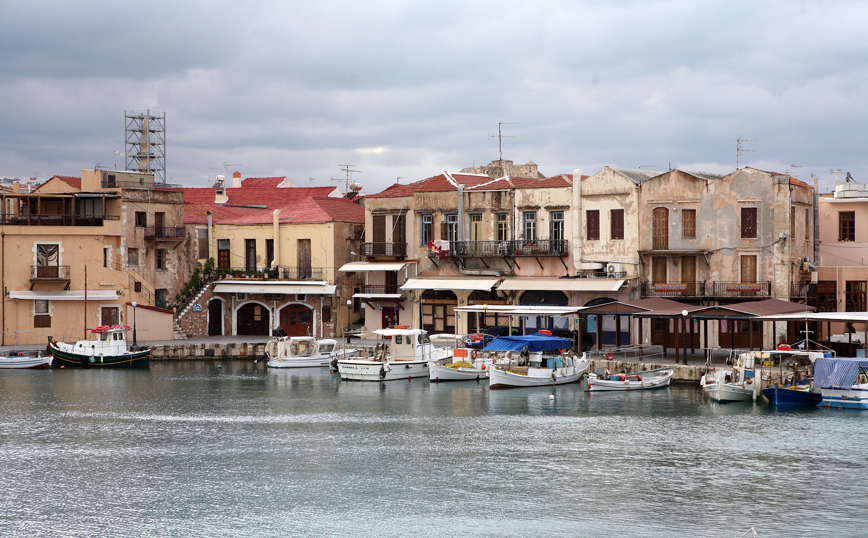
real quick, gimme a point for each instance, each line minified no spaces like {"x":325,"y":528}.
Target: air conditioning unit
{"x":241,"y":296}
{"x":613,"y":268}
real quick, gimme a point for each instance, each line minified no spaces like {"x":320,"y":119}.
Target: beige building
{"x":275,"y":251}
{"x":65,"y":258}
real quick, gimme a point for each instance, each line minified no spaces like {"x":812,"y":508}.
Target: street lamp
{"x":349,"y":315}
{"x":135,"y":342}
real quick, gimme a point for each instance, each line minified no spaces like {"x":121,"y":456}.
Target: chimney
{"x":236,"y":180}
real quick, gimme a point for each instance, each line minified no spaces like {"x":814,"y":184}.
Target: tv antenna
{"x":227,"y":165}
{"x":794,"y":168}
{"x":117,"y":154}
{"x":311,"y":179}
{"x":836,"y":172}
{"x":501,"y":136}
{"x":739,"y":149}
{"x":347,"y":168}
{"x":641,"y":166}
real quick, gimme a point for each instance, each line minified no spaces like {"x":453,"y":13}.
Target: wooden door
{"x":748,"y":268}
{"x":297,"y":320}
{"x":658,"y":270}
{"x":379,"y":235}
{"x":661,"y":228}
{"x":304,"y":261}
{"x":159,"y":223}
{"x":253,"y":320}
{"x":215,"y":318}
{"x":688,"y":275}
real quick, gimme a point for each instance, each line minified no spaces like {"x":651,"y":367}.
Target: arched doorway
{"x":478,"y":320}
{"x":559,"y":325}
{"x":607,"y":324}
{"x":253,"y":320}
{"x":297,"y":320}
{"x":438,"y":311}
{"x":215,"y":318}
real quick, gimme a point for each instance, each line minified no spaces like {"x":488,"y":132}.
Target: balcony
{"x":673,"y":289}
{"x":49,"y":273}
{"x":741,"y":289}
{"x":388,"y":250}
{"x":391,"y":289}
{"x":165,"y":233}
{"x":504,"y":249}
{"x":54,"y":220}
{"x":281,"y":273}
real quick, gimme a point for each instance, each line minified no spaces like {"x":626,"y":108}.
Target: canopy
{"x":561,"y":284}
{"x":277,"y":288}
{"x":65,"y":295}
{"x":371,"y":266}
{"x":534,"y":342}
{"x":449,"y":283}
{"x":837,"y":372}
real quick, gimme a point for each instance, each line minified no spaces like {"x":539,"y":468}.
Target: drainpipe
{"x":276,"y":237}
{"x":460,"y":212}
{"x":816,"y":259}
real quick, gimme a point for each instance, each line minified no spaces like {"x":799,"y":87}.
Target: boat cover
{"x":534,"y":342}
{"x":837,"y":372}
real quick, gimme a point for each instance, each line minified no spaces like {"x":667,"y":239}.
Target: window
{"x":250,"y":254}
{"x":451,"y":227}
{"x":827,"y":296}
{"x":592,"y":217}
{"x":160,"y":259}
{"x":476,"y":227}
{"x":269,"y":252}
{"x":530,"y":225}
{"x":141,"y":219}
{"x":41,"y":313}
{"x":327,"y":314}
{"x":133,"y":257}
{"x":160,"y":297}
{"x":223,"y":261}
{"x":847,"y":226}
{"x":107,"y":257}
{"x":854,"y":296}
{"x":557,"y":226}
{"x":808,"y":233}
{"x":688,"y":224}
{"x":748,"y":222}
{"x":502,"y":226}
{"x":203,"y":243}
{"x":48,"y":261}
{"x":660,"y":222}
{"x":792,"y":222}
{"x":427,"y":229}
{"x":748,"y":268}
{"x":305,"y":268}
{"x":617,"y":224}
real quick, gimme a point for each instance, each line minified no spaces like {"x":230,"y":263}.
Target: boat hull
{"x":136,"y":359}
{"x":367,"y":370}
{"x":24,"y":362}
{"x":438,"y":373}
{"x":537,"y":377}
{"x":726,"y":392}
{"x":298,"y":363}
{"x":601,"y":385}
{"x":852,"y":398}
{"x":785,"y":396}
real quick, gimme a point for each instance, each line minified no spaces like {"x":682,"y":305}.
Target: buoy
{"x":409,"y":378}
{"x":551,"y":396}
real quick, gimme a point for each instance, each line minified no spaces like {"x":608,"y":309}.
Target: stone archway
{"x":297,"y":320}
{"x":253,"y":320}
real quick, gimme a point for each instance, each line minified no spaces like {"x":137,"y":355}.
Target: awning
{"x":518,"y":310}
{"x":65,"y":295}
{"x":449,"y":284}
{"x":371,"y":266}
{"x":277,"y":288}
{"x":561,"y":284}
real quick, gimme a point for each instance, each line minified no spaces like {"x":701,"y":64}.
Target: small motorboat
{"x":406,"y":354}
{"x":464,"y":365}
{"x":544,"y":360}
{"x":792,"y":395}
{"x":302,"y":352}
{"x":25,"y":361}
{"x":651,"y":379}
{"x":736,"y":385}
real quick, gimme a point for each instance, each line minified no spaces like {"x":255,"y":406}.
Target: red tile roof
{"x":446,"y":182}
{"x":260,"y":182}
{"x":71,"y":181}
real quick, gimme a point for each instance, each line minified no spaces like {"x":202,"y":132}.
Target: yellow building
{"x":275,"y":250}
{"x":64,"y":253}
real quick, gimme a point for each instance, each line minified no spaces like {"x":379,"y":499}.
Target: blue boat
{"x":792,"y":396}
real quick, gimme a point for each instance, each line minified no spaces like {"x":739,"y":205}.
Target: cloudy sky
{"x":410,"y":89}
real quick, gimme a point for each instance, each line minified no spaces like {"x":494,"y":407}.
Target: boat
{"x":407,"y":354}
{"x":464,"y":365}
{"x":650,"y":379}
{"x":842,"y":382}
{"x":793,"y":395}
{"x":735,"y":385}
{"x":302,"y":352}
{"x":792,"y":386}
{"x":542,"y":361}
{"x":108,"y":349}
{"x":25,"y":361}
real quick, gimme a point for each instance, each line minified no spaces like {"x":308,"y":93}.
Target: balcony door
{"x":47,"y":261}
{"x":658,"y":270}
{"x":159,"y":223}
{"x":305,"y":269}
{"x":661,"y":228}
{"x":688,"y":275}
{"x":379,"y":235}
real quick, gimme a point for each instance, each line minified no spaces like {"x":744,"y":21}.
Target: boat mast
{"x":85,"y":302}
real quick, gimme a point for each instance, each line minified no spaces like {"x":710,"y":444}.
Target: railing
{"x":49,"y":272}
{"x":630,"y":353}
{"x":741,"y":289}
{"x":282,"y":272}
{"x":54,"y":220}
{"x":394,"y":250}
{"x":391,"y":289}
{"x":146,"y":295}
{"x":165,"y":232}
{"x":508,"y":249}
{"x":673,"y":289}
{"x":192,"y":294}
{"x":602,"y":274}
{"x":803,"y":290}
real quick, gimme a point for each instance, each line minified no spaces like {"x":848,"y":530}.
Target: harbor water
{"x":205,"y":449}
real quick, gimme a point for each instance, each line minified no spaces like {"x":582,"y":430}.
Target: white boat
{"x":736,"y":385}
{"x":302,"y":352}
{"x":25,"y":361}
{"x":543,"y":361}
{"x":464,"y":365}
{"x":651,"y":379}
{"x":406,"y":355}
{"x":843,"y":382}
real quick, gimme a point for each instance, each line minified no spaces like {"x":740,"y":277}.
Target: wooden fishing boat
{"x":302,"y":352}
{"x":108,"y":349}
{"x":543,"y":361}
{"x":406,"y":354}
{"x":464,"y":365}
{"x":651,"y":379}
{"x":25,"y":361}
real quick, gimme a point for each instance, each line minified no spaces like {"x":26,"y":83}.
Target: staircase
{"x":187,"y":302}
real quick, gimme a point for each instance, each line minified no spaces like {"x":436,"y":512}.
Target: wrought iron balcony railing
{"x":741,"y":289}
{"x":49,"y":272}
{"x":673,"y":289}
{"x":281,"y":272}
{"x":502,"y":249}
{"x":391,"y":250}
{"x":391,"y":289}
{"x":165,"y":232}
{"x":54,"y":220}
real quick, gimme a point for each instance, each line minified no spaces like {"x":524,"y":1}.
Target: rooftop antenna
{"x":641,"y":166}
{"x":794,"y":168}
{"x":501,"y":136}
{"x":836,"y":172}
{"x":311,"y":179}
{"x":117,"y":153}
{"x":227,"y":165}
{"x":346,"y":180}
{"x":739,"y":149}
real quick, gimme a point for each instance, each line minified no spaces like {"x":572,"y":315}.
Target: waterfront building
{"x":274,"y":249}
{"x":111,"y":225}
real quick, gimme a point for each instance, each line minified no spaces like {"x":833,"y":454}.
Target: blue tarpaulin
{"x":837,"y":372}
{"x":534,"y":342}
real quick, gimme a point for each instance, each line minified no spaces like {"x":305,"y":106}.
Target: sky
{"x":403,"y":91}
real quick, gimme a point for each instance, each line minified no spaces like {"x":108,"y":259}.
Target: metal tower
{"x":146,"y":143}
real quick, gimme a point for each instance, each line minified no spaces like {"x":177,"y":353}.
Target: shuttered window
{"x":748,"y":222}
{"x":661,"y":228}
{"x":592,"y":217}
{"x":617,"y":224}
{"x":688,"y":224}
